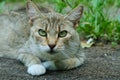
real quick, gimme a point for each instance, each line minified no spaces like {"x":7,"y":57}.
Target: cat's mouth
{"x":52,"y":52}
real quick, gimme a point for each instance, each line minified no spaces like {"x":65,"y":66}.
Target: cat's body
{"x":50,"y":43}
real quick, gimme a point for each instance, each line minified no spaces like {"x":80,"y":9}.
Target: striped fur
{"x":22,"y":41}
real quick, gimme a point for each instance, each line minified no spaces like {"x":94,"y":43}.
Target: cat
{"x":42,"y":41}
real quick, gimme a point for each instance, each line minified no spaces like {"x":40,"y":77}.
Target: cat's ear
{"x":75,"y":15}
{"x":32,"y":9}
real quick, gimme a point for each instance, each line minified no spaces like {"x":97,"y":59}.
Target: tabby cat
{"x":42,"y":40}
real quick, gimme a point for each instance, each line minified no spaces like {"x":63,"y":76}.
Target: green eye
{"x":42,"y":32}
{"x":62,"y":33}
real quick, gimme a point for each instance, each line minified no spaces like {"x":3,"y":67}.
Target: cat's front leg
{"x":63,"y":64}
{"x":33,"y":63}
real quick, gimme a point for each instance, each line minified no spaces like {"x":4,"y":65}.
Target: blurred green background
{"x":100,"y":20}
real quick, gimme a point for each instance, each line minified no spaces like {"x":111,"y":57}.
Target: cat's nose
{"x":52,"y":46}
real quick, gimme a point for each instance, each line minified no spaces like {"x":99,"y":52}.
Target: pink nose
{"x":51,"y":46}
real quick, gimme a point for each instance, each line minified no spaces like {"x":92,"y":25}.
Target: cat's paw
{"x":36,"y":69}
{"x":50,"y":65}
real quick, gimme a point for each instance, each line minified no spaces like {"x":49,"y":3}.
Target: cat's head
{"x":52,"y":31}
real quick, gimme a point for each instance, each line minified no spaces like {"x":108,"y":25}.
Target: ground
{"x":102,"y":63}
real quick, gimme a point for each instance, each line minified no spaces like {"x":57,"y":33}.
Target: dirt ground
{"x":102,"y":63}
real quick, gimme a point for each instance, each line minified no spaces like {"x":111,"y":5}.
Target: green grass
{"x":1,"y":6}
{"x":95,"y":22}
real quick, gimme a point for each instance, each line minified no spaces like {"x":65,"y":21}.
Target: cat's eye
{"x":62,"y":33}
{"x":42,"y":33}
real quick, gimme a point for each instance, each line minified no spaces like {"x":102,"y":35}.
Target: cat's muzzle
{"x":52,"y":51}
